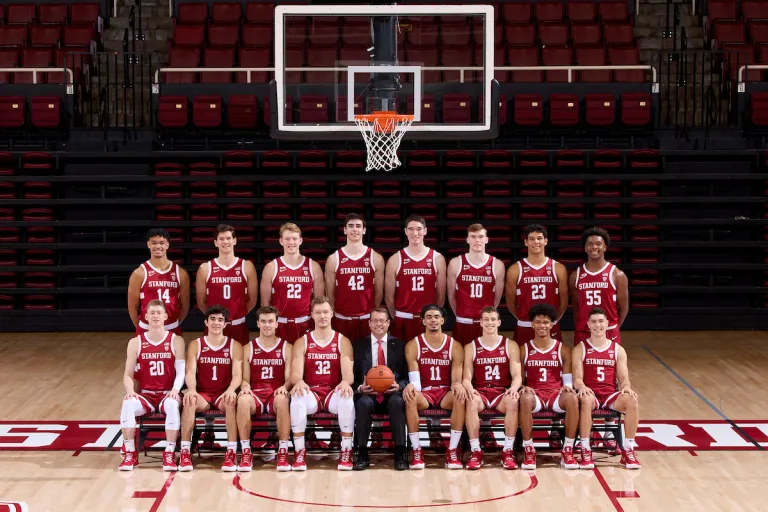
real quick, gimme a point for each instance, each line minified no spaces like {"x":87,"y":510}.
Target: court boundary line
{"x":534,"y":483}
{"x":704,"y":399}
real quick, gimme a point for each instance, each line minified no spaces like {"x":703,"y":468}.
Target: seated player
{"x":265,"y":388}
{"x":492,"y":380}
{"x":598,"y":363}
{"x":548,"y":385}
{"x":322,"y":377}
{"x":435,"y":369}
{"x":160,"y":375}
{"x":214,"y":372}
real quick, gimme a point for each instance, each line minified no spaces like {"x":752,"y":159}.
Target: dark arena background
{"x":645,"y":118}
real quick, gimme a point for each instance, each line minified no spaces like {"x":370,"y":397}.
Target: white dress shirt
{"x":375,"y":350}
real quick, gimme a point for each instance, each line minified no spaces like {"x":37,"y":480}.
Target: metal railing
{"x":462,"y":70}
{"x":35,"y":71}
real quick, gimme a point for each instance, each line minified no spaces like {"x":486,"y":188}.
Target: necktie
{"x":382,"y":362}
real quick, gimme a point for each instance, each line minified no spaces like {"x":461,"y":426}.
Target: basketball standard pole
{"x":384,"y":86}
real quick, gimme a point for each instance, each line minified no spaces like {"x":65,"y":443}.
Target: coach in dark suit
{"x":368,"y":352}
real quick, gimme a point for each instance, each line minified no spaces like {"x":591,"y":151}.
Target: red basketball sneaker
{"x":508,"y":460}
{"x":452,"y":460}
{"x":230,"y":462}
{"x":529,"y":462}
{"x":417,"y":458}
{"x":169,"y":461}
{"x":568,"y":461}
{"x":629,"y":459}
{"x":130,"y":461}
{"x":299,"y":462}
{"x":246,"y":461}
{"x":282,"y":460}
{"x":476,"y":460}
{"x":586,"y":460}
{"x":185,"y":461}
{"x":345,"y":460}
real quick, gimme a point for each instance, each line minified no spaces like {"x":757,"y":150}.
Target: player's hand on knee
{"x":190,"y":398}
{"x":409,"y":393}
{"x":628,"y":391}
{"x":131,"y":395}
{"x":585,"y":392}
{"x":281,"y":391}
{"x":525,"y":390}
{"x":245,"y":389}
{"x":567,"y":389}
{"x":173,"y":395}
{"x":459,"y":392}
{"x":300,"y":389}
{"x":230,"y":397}
{"x":513,"y":393}
{"x":344,"y":389}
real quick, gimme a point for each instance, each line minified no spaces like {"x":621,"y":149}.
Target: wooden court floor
{"x":704,"y":428}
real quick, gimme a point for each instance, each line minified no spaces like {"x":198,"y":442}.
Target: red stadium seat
{"x":570,"y":211}
{"x":495,"y":188}
{"x":169,"y":190}
{"x":455,"y":57}
{"x":606,"y":211}
{"x":206,"y":111}
{"x":23,"y":14}
{"x":239,"y":212}
{"x":78,"y":36}
{"x":495,"y":212}
{"x":257,"y":35}
{"x":516,"y":12}
{"x":570,"y":158}
{"x":313,"y":109}
{"x":426,"y":57}
{"x":192,"y":13}
{"x":218,"y":58}
{"x":645,"y":233}
{"x":528,"y":110}
{"x":55,"y":14}
{"x":172,"y":111}
{"x":223,"y":36}
{"x":564,"y":110}
{"x":460,"y":211}
{"x":548,"y":11}
{"x":533,"y":188}
{"x":349,"y":160}
{"x":644,"y":277}
{"x":422,"y":159}
{"x":607,"y":159}
{"x":312,"y":159}
{"x":533,"y":211}
{"x":533,"y":158}
{"x":183,"y":58}
{"x":525,"y":56}
{"x":619,"y":34}
{"x":569,"y":188}
{"x":44,"y":36}
{"x":429,"y":212}
{"x":40,"y":235}
{"x":254,"y":58}
{"x":13,"y":36}
{"x":592,"y":56}
{"x":386,"y":189}
{"x":721,"y":10}
{"x":606,"y":188}
{"x":350,"y":188}
{"x":9,"y":58}
{"x":12,"y":112}
{"x":612,"y":11}
{"x":189,"y":35}
{"x":626,"y":56}
{"x":423,"y":33}
{"x":203,"y":190}
{"x":458,"y":158}
{"x":169,"y":212}
{"x":459,"y":188}
{"x":600,"y":110}
{"x":644,"y":211}
{"x":226,"y":13}
{"x":242,"y":111}
{"x":45,"y":112}
{"x":202,"y":169}
{"x":636,"y":109}
{"x":313,"y":188}
{"x":586,"y":34}
{"x":569,"y":233}
{"x":274,"y":158}
{"x":553,"y":34}
{"x":85,"y":13}
{"x":522,"y":34}
{"x":356,"y":34}
{"x":38,"y":302}
{"x":558,"y":56}
{"x":427,"y":107}
{"x":581,"y":10}
{"x":313,"y":212}
{"x":422,"y":188}
{"x":457,"y":108}
{"x":386,"y":211}
{"x":34,"y":58}
{"x":260,"y":12}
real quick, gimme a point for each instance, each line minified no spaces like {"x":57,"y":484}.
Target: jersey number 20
{"x":156,"y":368}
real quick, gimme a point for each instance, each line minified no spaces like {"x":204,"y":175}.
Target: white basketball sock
{"x":186,"y":445}
{"x":286,"y":444}
{"x":130,"y":446}
{"x":298,"y":443}
{"x":415,"y":441}
{"x":232,"y":445}
{"x":245,"y":445}
{"x":568,"y":442}
{"x":170,"y":447}
{"x":629,"y":443}
{"x":509,"y":443}
{"x":584,"y":443}
{"x":346,"y":443}
{"x":455,"y":438}
{"x":528,"y":442}
{"x":474,"y":444}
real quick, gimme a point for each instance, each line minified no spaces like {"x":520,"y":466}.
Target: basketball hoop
{"x":383,"y":132}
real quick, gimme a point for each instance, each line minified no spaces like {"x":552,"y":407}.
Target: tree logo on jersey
{"x":166,"y":346}
{"x":173,"y":276}
{"x":237,"y":272}
{"x":333,"y":346}
{"x":549,"y":272}
{"x":367,"y":262}
{"x":306,"y":272}
{"x":277,"y":354}
{"x":226,"y":352}
{"x":501,"y":351}
{"x":488,"y":270}
{"x":445,"y":356}
{"x":554,"y":356}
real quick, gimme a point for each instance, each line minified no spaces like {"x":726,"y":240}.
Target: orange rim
{"x":387,"y":121}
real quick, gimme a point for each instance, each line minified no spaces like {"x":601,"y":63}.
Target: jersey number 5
{"x":294,"y":291}
{"x":156,"y":368}
{"x":356,"y":283}
{"x":593,"y":298}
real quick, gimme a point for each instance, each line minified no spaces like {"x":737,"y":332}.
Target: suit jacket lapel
{"x":391,"y":354}
{"x":367,"y":359}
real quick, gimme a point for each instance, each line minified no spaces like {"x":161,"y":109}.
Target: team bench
{"x":490,"y":421}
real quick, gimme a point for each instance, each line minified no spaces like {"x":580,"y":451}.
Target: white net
{"x":382,"y":135}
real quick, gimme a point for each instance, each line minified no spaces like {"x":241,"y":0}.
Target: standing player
{"x":598,"y":284}
{"x":354,"y":281}
{"x":492,"y":380}
{"x":533,"y":280}
{"x":214,"y":372}
{"x":160,"y":355}
{"x":548,"y":385}
{"x":598,"y":363}
{"x":415,"y":277}
{"x":475,"y":280}
{"x":289,"y":283}
{"x":434,"y":370}
{"x":266,"y":387}
{"x":158,"y":278}
{"x":228,"y":281}
{"x":322,"y":377}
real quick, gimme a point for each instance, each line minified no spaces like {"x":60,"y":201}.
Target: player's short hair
{"x":161,"y":232}
{"x":382,"y":310}
{"x":156,"y":302}
{"x":534,"y":228}
{"x":316,"y":301}
{"x":596,"y":311}
{"x":267,"y":310}
{"x":490,"y":310}
{"x":595,"y":231}
{"x":474,"y":228}
{"x":415,"y":218}
{"x":217,"y":309}
{"x":542,"y":310}
{"x":289,"y":226}
{"x":432,"y":307}
{"x":353,"y":216}
{"x":225,"y":228}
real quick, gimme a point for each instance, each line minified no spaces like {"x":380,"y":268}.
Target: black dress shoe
{"x":401,"y":458}
{"x":362,"y":461}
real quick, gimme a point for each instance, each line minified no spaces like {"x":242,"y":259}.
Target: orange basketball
{"x":380,"y":378}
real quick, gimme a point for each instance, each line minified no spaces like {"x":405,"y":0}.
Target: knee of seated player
{"x":227,"y":407}
{"x":244,"y":402}
{"x":570,"y":401}
{"x":587,"y":403}
{"x":527,"y":402}
{"x":475,"y":405}
{"x":509,"y":403}
{"x":280,"y":403}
